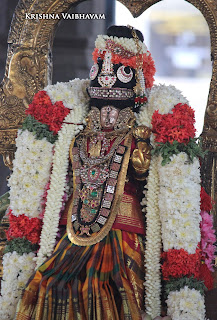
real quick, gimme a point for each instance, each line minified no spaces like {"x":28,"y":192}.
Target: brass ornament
{"x":142,"y":132}
{"x":28,"y":65}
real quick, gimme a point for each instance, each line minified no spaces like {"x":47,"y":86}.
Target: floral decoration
{"x":128,"y":44}
{"x":39,"y":129}
{"x":22,"y":226}
{"x":176,"y":150}
{"x":175,"y":284}
{"x":206,"y":201}
{"x":168,"y":149}
{"x":208,"y":239}
{"x":186,"y":304}
{"x":31,"y":171}
{"x":172,"y":200}
{"x":19,"y":269}
{"x":179,"y":263}
{"x":71,"y":126}
{"x":71,"y":93}
{"x":206,"y":276}
{"x":21,"y":246}
{"x":175,"y":126}
{"x":56,"y":191}
{"x":38,"y":152}
{"x":153,"y":243}
{"x":44,"y":111}
{"x":148,"y":66}
{"x":162,"y":98}
{"x":179,"y":202}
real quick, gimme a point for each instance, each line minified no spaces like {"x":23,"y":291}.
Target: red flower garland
{"x":206,"y":201}
{"x":179,"y":263}
{"x":206,"y":276}
{"x":148,"y":64}
{"x":44,"y":111}
{"x":22,"y":226}
{"x":175,"y":126}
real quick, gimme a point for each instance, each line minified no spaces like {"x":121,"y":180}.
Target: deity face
{"x":108,"y":117}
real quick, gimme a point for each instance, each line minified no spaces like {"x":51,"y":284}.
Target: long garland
{"x":185,"y":268}
{"x":42,"y":132}
{"x":152,"y":244}
{"x":57,"y":186}
{"x":179,"y":205}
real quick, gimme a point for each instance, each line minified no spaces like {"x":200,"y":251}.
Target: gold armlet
{"x":141,"y":156}
{"x":141,"y":133}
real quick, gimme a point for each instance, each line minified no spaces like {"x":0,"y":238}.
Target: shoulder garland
{"x":175,"y":219}
{"x":54,"y":117}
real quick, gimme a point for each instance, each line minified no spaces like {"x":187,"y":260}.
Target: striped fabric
{"x":103,"y":281}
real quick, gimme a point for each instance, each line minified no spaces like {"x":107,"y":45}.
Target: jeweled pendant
{"x":107,"y":81}
{"x":85,"y":230}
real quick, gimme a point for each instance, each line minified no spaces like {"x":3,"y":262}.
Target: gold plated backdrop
{"x":28,"y":66}
{"x":28,"y":69}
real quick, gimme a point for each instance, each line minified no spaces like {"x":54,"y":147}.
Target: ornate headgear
{"x":122,"y":45}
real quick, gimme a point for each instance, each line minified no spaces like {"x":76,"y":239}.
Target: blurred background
{"x":175,"y":32}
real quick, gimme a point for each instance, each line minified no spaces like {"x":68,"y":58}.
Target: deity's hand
{"x":141,"y":156}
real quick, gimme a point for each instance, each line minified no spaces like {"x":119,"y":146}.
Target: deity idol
{"x":117,"y":216}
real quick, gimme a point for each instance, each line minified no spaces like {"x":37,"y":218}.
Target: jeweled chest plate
{"x":95,"y":185}
{"x":94,"y":175}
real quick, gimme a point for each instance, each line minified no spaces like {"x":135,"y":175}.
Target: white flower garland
{"x":179,"y":203}
{"x":162,"y":98}
{"x":71,"y":93}
{"x":128,"y":44}
{"x":30,"y":175}
{"x":58,"y":179}
{"x":16,"y":271}
{"x":153,"y":244}
{"x":31,"y":171}
{"x":186,"y":304}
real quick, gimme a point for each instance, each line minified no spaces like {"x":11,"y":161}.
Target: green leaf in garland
{"x":20,"y":245}
{"x":176,"y":284}
{"x":193,"y":149}
{"x":39,"y":129}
